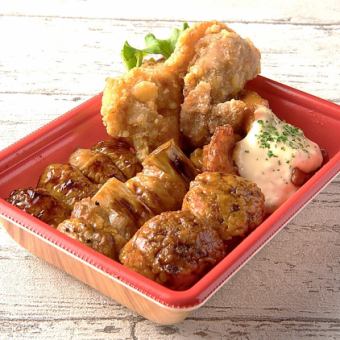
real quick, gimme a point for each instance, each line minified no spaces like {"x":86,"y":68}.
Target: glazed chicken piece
{"x":108,"y":220}
{"x":66,"y":184}
{"x":126,"y":212}
{"x":90,"y":224}
{"x":230,"y":204}
{"x":96,"y":166}
{"x":218,"y":154}
{"x":143,"y":106}
{"x":165,"y":178}
{"x":83,"y":231}
{"x":122,"y":154}
{"x":173,"y":249}
{"x":222,"y":63}
{"x":39,"y":203}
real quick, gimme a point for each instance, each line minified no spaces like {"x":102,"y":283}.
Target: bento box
{"x":22,"y":163}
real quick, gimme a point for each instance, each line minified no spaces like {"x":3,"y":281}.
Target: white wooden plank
{"x":292,"y":11}
{"x":239,"y":328}
{"x":64,"y":56}
{"x":23,"y":113}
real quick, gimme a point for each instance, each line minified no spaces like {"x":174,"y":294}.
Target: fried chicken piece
{"x":143,"y":107}
{"x":196,"y":158}
{"x":173,"y":249}
{"x":39,"y":203}
{"x":66,"y":184}
{"x":252,"y":100}
{"x":83,"y":231}
{"x":221,"y":65}
{"x":164,"y":180}
{"x":96,"y":166}
{"x":232,"y":205}
{"x":122,"y":154}
{"x":218,"y":154}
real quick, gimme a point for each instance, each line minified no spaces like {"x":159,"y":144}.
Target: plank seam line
{"x":264,"y":22}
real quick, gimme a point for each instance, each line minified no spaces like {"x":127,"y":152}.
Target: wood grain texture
{"x":56,"y":55}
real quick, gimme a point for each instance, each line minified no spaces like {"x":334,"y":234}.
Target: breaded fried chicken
{"x":143,"y":107}
{"x":223,"y":62}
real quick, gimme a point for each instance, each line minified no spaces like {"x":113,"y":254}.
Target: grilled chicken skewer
{"x":165,"y":178}
{"x":39,"y":203}
{"x":62,"y":185}
{"x":120,"y":208}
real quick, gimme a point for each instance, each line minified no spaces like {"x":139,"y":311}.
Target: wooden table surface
{"x":55,"y":54}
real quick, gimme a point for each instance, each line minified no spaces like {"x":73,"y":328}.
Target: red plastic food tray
{"x":22,"y":163}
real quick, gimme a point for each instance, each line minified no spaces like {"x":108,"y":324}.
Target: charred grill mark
{"x":123,"y":203}
{"x":181,"y":167}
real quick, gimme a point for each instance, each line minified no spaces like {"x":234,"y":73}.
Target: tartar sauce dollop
{"x":270,"y":152}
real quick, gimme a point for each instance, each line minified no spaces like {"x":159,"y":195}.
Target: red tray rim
{"x":197,"y":295}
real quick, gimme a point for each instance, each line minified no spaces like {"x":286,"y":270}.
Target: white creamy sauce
{"x":269,"y":153}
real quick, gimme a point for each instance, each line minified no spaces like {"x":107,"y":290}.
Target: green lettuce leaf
{"x":133,"y":57}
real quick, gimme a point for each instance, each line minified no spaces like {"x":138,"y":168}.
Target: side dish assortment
{"x":194,"y":162}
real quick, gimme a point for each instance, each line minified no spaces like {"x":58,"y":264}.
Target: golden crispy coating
{"x":251,"y":99}
{"x":196,"y":158}
{"x":83,"y":231}
{"x":232,"y":205}
{"x":96,"y":166}
{"x":127,"y":213}
{"x":218,"y":154}
{"x":232,"y":112}
{"x":221,"y":65}
{"x":199,"y":119}
{"x":186,"y":45}
{"x":223,"y":60}
{"x":122,"y":154}
{"x":39,"y":203}
{"x":174,"y":249}
{"x":164,"y":180}
{"x":143,"y":107}
{"x":66,"y":183}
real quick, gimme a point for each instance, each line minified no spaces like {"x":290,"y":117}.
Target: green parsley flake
{"x":287,"y":135}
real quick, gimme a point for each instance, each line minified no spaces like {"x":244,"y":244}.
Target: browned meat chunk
{"x":83,"y":231}
{"x":230,"y":204}
{"x":174,"y":249}
{"x":217,"y":155}
{"x":39,"y":203}
{"x":66,"y":183}
{"x":96,"y":166}
{"x":164,"y":180}
{"x":126,"y":212}
{"x":122,"y":154}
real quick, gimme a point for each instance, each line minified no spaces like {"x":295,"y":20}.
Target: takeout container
{"x":22,"y":163}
